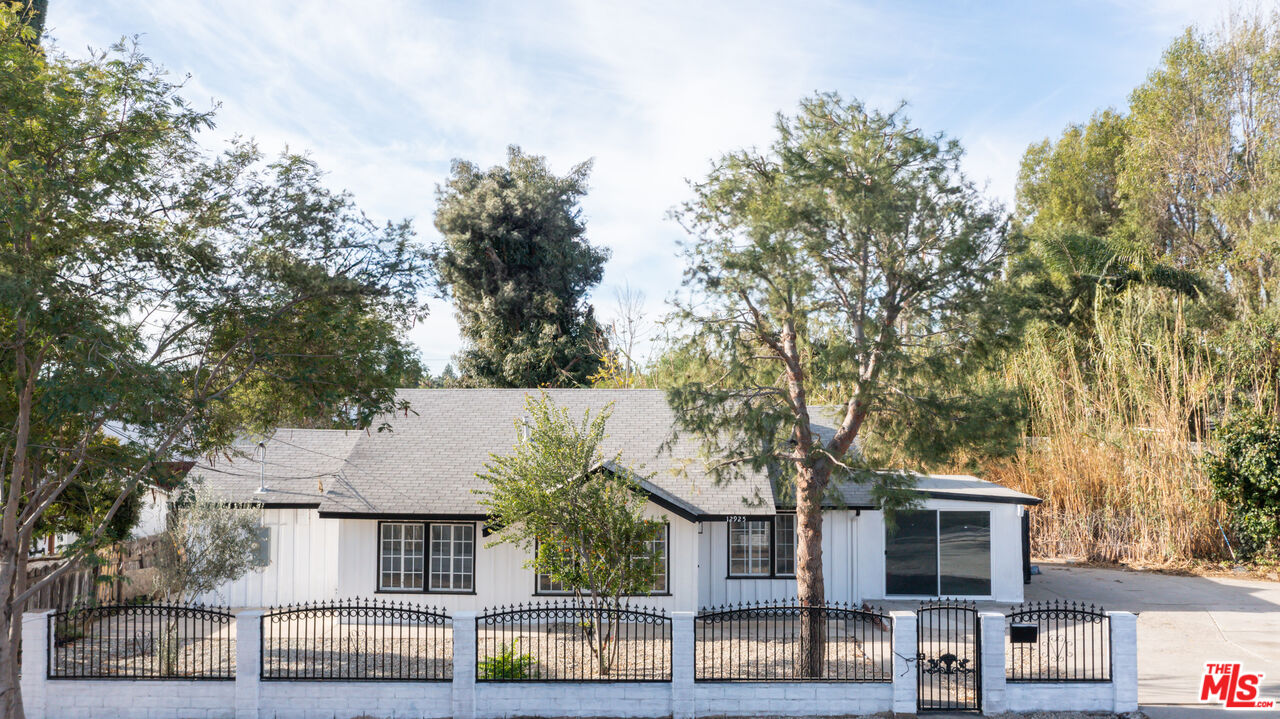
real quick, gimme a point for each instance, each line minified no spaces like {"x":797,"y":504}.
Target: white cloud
{"x":384,"y":94}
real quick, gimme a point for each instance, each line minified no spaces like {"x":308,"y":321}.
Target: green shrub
{"x":1245,"y":472}
{"x":507,"y":664}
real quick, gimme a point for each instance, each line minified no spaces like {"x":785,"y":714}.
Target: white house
{"x":395,"y":514}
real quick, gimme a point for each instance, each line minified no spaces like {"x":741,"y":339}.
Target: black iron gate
{"x":948,"y":651}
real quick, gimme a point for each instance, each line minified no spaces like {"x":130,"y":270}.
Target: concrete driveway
{"x":1183,"y":622}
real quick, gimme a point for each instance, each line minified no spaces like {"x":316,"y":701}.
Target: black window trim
{"x":569,"y":593}
{"x":773,"y":549}
{"x":426,"y":559}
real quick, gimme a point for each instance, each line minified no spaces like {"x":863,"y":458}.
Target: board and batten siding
{"x":501,"y":577}
{"x":839,"y":552}
{"x":316,"y":559}
{"x":853,"y":561}
{"x":301,"y":547}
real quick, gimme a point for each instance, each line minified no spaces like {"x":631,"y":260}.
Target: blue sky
{"x":384,"y":93}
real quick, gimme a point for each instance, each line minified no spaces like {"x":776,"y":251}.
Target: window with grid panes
{"x":452,"y":557}
{"x":400,"y":556}
{"x":749,"y":548}
{"x":784,"y":545}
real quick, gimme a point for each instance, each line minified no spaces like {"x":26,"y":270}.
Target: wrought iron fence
{"x":357,"y":640}
{"x":571,"y":641}
{"x":948,"y":656}
{"x":1058,"y":642}
{"x":142,"y":641}
{"x":768,"y":642}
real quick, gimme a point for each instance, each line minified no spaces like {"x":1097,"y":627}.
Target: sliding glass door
{"x":933,"y":553}
{"x":911,"y":554}
{"x":964,"y":553}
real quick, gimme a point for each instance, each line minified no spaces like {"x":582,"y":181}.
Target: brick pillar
{"x":991,"y":627}
{"x":904,"y":662}
{"x":1124,"y":661}
{"x":682,"y":666}
{"x":248,"y":663}
{"x":36,"y":646}
{"x":464,"y":665}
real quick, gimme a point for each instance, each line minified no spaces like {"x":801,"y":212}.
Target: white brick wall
{"x":792,"y":698}
{"x":1120,"y":695}
{"x":113,"y":699}
{"x":904,"y":663}
{"x":572,"y":699}
{"x":1023,"y":697}
{"x":464,"y":698}
{"x":991,"y":626}
{"x":346,"y":700}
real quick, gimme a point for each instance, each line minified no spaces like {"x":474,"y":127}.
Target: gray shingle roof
{"x":299,"y":467}
{"x":426,"y":465}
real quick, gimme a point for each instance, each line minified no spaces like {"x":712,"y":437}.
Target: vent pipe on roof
{"x":262,"y":468}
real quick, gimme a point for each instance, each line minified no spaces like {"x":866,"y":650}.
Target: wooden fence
{"x":126,"y":574}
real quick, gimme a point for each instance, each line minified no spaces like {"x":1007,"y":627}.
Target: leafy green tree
{"x":849,"y":263}
{"x":1201,"y":161}
{"x":516,"y":262}
{"x":1245,"y":472}
{"x":1070,"y":185}
{"x":1068,"y":213}
{"x":579,"y":514}
{"x":82,"y":505}
{"x":143,"y":282}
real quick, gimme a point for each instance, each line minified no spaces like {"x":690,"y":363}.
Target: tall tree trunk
{"x":12,"y":582}
{"x":811,"y":589}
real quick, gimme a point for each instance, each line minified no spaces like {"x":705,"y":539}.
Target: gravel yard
{"x":321,"y":647}
{"x":127,"y":645}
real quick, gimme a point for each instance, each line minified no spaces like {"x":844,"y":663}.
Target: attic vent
{"x":524,"y":429}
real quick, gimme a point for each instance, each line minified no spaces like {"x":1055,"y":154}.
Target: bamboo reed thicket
{"x":1117,"y":422}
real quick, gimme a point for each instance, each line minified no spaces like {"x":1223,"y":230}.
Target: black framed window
{"x":544,"y":584}
{"x":749,"y":548}
{"x":400,"y":556}
{"x":426,"y":557}
{"x":453,"y":548}
{"x":911,"y":554}
{"x":658,"y":548}
{"x":939,"y":553}
{"x":784,"y":545}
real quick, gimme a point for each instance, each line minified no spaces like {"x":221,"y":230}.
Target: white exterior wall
{"x":500,"y":575}
{"x":314,"y":558}
{"x":326,"y":700}
{"x":853,"y":544}
{"x":139,"y":699}
{"x":302,"y":548}
{"x":153,"y":515}
{"x":839,"y":562}
{"x":1006,"y":549}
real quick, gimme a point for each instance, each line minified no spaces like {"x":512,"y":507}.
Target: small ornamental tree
{"x":208,"y":542}
{"x":579,"y":515}
{"x":1245,"y":473}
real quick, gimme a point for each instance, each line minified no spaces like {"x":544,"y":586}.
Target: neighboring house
{"x":396,"y":514}
{"x":153,"y":513}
